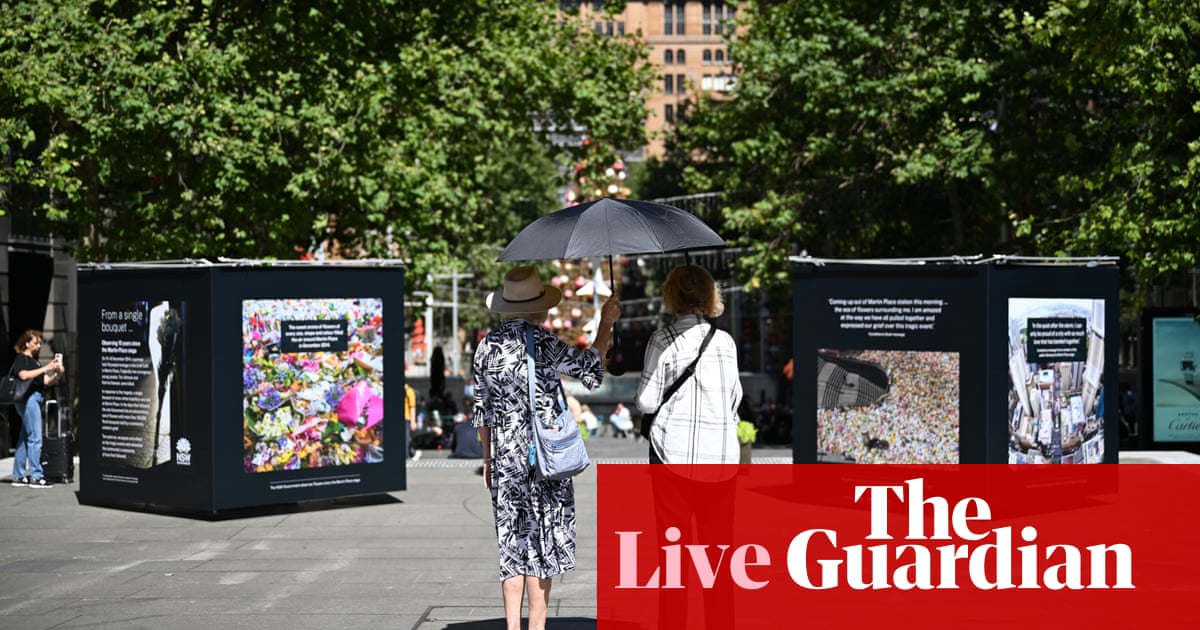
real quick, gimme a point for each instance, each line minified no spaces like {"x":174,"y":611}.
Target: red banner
{"x":978,"y":546}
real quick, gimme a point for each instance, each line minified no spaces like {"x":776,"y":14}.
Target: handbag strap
{"x":687,"y":372}
{"x":532,"y":374}
{"x":14,"y":372}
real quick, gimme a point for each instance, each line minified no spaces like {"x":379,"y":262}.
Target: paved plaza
{"x":420,"y":559}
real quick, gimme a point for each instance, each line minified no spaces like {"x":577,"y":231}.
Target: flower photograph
{"x":312,"y":383}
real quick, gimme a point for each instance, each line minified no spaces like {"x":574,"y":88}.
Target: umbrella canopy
{"x":610,"y":227}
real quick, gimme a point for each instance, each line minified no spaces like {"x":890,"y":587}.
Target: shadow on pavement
{"x":316,"y":505}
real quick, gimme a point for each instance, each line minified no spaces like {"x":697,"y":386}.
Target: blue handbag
{"x":556,"y":449}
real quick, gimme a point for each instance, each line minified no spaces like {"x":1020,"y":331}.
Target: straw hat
{"x":524,"y":292}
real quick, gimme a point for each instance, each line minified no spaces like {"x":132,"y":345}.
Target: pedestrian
{"x":696,"y":424}
{"x":590,"y":421}
{"x":1128,"y":409}
{"x":535,"y":518}
{"x":621,"y":421}
{"x":410,"y":418}
{"x":27,"y":462}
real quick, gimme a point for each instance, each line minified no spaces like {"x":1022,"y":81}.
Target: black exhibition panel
{"x":954,"y":361}
{"x":210,"y":386}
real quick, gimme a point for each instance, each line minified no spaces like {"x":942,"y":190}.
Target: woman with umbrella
{"x":535,"y":518}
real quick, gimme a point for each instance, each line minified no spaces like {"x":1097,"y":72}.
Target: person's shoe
{"x":20,"y":482}
{"x":40,"y":483}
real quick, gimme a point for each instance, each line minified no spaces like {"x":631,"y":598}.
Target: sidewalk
{"x":421,"y":559}
{"x":424,"y":559}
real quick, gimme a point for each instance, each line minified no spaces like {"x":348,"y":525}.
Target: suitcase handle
{"x":49,"y":405}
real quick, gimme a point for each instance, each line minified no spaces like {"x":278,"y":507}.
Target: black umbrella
{"x":611,"y":227}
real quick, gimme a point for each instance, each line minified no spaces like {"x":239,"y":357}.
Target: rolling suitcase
{"x":58,"y":463}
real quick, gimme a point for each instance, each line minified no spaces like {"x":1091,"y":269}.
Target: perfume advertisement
{"x":1174,"y":384}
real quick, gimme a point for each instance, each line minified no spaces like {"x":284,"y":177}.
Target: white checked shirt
{"x":698,"y":425}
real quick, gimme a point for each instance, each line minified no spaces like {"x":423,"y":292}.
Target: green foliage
{"x":1128,"y":77}
{"x":860,"y":129}
{"x":854,"y":131}
{"x":415,"y":130}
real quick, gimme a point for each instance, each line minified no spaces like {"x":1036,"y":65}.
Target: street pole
{"x":455,"y":350}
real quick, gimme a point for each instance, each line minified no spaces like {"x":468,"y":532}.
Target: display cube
{"x":212,"y":386}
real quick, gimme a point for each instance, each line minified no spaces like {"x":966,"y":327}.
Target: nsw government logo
{"x":183,"y":452}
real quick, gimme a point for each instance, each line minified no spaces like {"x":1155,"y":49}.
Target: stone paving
{"x":420,"y":559}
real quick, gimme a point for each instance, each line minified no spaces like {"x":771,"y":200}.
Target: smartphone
{"x":58,"y":357}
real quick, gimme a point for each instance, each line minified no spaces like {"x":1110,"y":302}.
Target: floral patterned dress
{"x":535,"y":519}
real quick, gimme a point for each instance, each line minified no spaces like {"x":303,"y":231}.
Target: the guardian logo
{"x":973,"y":554}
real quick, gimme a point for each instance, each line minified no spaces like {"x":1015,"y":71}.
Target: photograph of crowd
{"x":311,"y":409}
{"x":1055,"y":406}
{"x":888,"y":407}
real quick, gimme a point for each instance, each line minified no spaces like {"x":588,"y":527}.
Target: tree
{"x":926,"y":128}
{"x":854,"y":130}
{"x":417,"y":130}
{"x":1128,"y":74}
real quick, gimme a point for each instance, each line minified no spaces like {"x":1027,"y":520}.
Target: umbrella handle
{"x":613,"y":279}
{"x":616,"y":340}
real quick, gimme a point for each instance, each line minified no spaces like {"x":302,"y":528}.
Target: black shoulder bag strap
{"x":687,"y":373}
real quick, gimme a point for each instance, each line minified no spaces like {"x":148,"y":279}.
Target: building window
{"x":668,"y":84}
{"x":673,"y":17}
{"x":706,"y":56}
{"x":719,"y":56}
{"x":609,"y":28}
{"x":668,"y":57}
{"x":706,"y":82}
{"x":716,"y":17}
{"x":669,"y":113}
{"x":681,"y":83}
{"x":680,"y":56}
{"x":727,"y":15}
